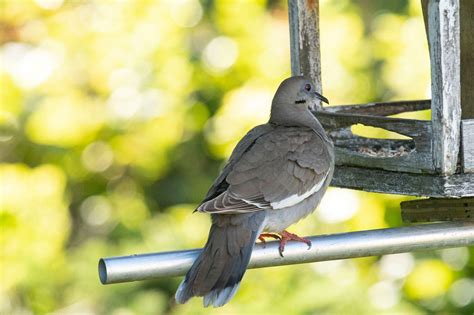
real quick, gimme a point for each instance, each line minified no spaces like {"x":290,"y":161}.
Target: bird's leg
{"x":287,"y":236}
{"x":272,"y":235}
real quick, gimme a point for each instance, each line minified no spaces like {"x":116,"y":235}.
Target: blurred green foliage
{"x":117,"y":115}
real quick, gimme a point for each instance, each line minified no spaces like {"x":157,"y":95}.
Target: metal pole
{"x":325,"y":247}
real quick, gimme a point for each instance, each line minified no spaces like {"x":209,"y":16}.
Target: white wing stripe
{"x":256,"y":204}
{"x":295,"y":198}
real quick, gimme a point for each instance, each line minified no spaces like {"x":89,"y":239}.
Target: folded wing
{"x":279,"y":169}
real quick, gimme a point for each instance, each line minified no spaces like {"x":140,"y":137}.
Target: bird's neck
{"x":293,"y":119}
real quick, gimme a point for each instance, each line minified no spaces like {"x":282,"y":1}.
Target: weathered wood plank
{"x":381,"y":181}
{"x":408,"y":127}
{"x":444,"y":38}
{"x":356,"y":142}
{"x":424,"y":7}
{"x":467,"y":128}
{"x":438,"y":209}
{"x":467,"y":59}
{"x":388,"y":154}
{"x":459,"y":185}
{"x":304,"y":40}
{"x":381,"y":109}
{"x":467,"y":84}
{"x":405,"y":160}
{"x":414,"y":155}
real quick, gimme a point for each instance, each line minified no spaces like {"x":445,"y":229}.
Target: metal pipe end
{"x":102,"y":271}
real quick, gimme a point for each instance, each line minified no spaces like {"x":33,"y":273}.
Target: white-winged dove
{"x":276,"y":175}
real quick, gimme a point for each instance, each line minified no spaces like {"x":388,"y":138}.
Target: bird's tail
{"x":217,"y":272}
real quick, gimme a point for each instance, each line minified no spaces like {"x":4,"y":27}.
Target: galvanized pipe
{"x":325,"y":247}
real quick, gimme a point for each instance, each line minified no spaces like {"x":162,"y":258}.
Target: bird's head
{"x":294,"y":99}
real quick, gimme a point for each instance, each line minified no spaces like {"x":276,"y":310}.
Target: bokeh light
{"x":220,"y":53}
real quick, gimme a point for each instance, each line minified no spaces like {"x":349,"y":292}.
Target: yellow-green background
{"x":117,"y":115}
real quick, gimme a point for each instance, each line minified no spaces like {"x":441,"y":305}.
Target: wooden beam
{"x":304,"y":40}
{"x":408,"y":127}
{"x":467,"y":59}
{"x":413,"y":155}
{"x":444,"y":38}
{"x":438,"y":209}
{"x":467,"y":84}
{"x":381,"y":109}
{"x":382,"y":181}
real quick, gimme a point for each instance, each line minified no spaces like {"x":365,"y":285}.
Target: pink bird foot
{"x":287,"y":236}
{"x":272,"y":235}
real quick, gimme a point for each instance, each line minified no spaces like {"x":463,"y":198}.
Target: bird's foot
{"x":287,"y":236}
{"x":272,"y":235}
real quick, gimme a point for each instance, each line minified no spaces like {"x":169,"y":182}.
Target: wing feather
{"x":279,"y":167}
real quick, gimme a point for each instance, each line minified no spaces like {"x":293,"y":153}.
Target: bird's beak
{"x":322,"y":98}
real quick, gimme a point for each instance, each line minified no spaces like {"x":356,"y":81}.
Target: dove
{"x":276,"y":175}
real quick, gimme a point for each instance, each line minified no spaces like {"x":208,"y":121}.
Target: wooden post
{"x":468,"y":145}
{"x":467,"y":84}
{"x":467,"y":59}
{"x":444,"y":38}
{"x":304,"y":39}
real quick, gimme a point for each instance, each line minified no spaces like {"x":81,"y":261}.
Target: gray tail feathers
{"x":217,"y":272}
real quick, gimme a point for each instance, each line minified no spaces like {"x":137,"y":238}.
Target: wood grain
{"x":304,"y":40}
{"x":467,"y":128}
{"x":413,"y":155}
{"x":438,"y":209}
{"x":444,"y":39}
{"x":381,"y":109}
{"x":382,"y":181}
{"x":467,"y":84}
{"x":467,"y":59}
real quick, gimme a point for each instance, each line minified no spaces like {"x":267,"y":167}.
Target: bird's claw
{"x":287,"y":236}
{"x":284,"y":237}
{"x":272,"y":235}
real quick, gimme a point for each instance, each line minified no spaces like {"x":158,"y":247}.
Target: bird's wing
{"x":220,"y":185}
{"x":280,"y":169}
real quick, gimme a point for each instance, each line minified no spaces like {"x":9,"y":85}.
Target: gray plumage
{"x":276,"y":175}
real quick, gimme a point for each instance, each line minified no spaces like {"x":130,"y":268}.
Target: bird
{"x":276,"y":175}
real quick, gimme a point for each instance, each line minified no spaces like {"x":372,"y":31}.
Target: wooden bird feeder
{"x":438,"y":159}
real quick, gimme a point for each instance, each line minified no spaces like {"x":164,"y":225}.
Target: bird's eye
{"x":307,"y":87}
